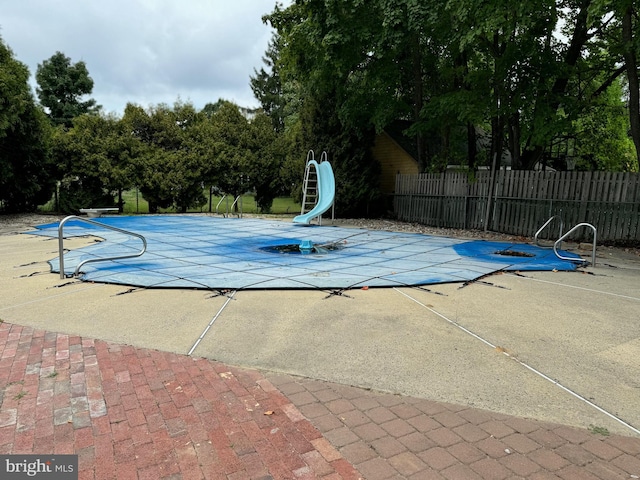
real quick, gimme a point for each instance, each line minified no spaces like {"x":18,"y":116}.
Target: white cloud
{"x":146,"y":51}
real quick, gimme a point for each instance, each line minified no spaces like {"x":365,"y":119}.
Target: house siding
{"x":393,"y":160}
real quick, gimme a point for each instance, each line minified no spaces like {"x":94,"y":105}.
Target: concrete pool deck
{"x":416,"y":364}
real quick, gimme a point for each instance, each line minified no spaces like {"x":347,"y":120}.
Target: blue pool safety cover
{"x":225,"y":253}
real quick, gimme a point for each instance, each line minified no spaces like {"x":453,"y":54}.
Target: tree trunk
{"x":632,"y":76}
{"x":532,"y":155}
{"x":418,"y":98}
{"x":514,"y":141}
{"x":497,"y":122}
{"x":497,"y":139}
{"x":472,"y":148}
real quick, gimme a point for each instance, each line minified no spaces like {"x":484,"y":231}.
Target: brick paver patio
{"x":132,"y":413}
{"x":391,"y":436}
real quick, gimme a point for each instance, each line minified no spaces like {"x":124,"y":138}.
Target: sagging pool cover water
{"x":238,"y":254}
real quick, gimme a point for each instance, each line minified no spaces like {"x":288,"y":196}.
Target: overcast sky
{"x":146,"y":51}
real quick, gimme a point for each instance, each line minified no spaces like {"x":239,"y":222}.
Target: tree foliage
{"x":267,"y":86}
{"x":26,"y":173}
{"x":601,"y":132}
{"x":306,"y":63}
{"x":168,"y":169}
{"x":95,"y":156}
{"x":15,"y":95}
{"x":180,"y":153}
{"x":526,"y":71}
{"x":61,"y":87}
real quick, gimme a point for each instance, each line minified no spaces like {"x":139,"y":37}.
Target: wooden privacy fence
{"x":521,"y":201}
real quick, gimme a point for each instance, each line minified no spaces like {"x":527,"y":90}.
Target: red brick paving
{"x":142,"y":414}
{"x":389,"y":436}
{"x":131,"y":413}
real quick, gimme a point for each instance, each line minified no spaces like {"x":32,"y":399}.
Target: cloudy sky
{"x":146,"y":51}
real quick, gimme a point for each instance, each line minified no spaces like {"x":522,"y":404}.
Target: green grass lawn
{"x":134,"y":203}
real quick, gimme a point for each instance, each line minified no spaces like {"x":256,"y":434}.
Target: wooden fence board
{"x":523,"y":200}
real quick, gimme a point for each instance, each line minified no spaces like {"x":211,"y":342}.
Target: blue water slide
{"x":326,"y":192}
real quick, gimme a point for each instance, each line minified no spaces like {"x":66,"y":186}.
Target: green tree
{"x":601,"y":134}
{"x":15,"y":95}
{"x":265,"y":163}
{"x":230,"y":150}
{"x":308,"y":60}
{"x":267,"y":86}
{"x":26,"y":172}
{"x":170,"y":166}
{"x":210,"y":109}
{"x":61,"y":87}
{"x":452,"y":66}
{"x":96,"y":155}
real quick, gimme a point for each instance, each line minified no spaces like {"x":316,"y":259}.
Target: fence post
{"x":490,"y":192}
{"x":411,"y":207}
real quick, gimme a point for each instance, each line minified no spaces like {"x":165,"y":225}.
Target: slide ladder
{"x":319,"y":190}
{"x":310,"y":184}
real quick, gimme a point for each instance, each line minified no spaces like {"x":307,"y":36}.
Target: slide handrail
{"x":109,"y":227}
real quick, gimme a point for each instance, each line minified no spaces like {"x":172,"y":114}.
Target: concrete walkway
{"x":379,"y":383}
{"x":135,"y":413}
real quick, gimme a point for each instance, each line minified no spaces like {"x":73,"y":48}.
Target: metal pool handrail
{"x":237,"y":201}
{"x":218,"y":205}
{"x":109,"y":227}
{"x":545,"y":226}
{"x":593,"y":252}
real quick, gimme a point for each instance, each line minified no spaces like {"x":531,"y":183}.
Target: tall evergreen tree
{"x":61,"y":87}
{"x":267,"y":85}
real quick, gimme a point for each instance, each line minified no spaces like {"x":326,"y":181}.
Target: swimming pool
{"x":205,"y":252}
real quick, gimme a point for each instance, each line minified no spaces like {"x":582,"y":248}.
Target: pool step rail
{"x":105,"y":259}
{"x":561,"y":237}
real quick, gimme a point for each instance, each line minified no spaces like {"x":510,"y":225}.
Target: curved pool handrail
{"x":218,"y":205}
{"x":237,"y":202}
{"x":93,"y":222}
{"x":545,"y":226}
{"x":593,"y":252}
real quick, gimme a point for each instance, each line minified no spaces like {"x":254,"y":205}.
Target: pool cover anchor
{"x":129,"y":290}
{"x":481,"y":281}
{"x":32,"y":274}
{"x":338,"y":293}
{"x":424,"y":289}
{"x":73,"y":282}
{"x":222,"y":292}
